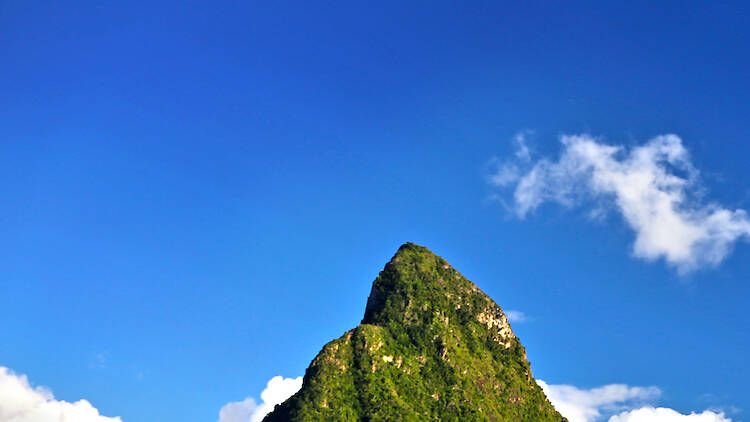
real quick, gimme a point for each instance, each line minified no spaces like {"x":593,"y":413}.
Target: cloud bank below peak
{"x":276,"y":392}
{"x":654,"y":187}
{"x":20,"y":402}
{"x":618,"y":403}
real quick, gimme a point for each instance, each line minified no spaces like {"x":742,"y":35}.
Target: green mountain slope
{"x":431,"y":347}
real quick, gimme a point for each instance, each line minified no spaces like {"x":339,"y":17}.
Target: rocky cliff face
{"x":431,"y":347}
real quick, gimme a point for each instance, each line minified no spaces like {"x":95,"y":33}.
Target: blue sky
{"x":197,"y":196}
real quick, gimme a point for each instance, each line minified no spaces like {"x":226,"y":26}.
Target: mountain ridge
{"x":431,"y":346}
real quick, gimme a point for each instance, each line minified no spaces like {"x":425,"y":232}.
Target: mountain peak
{"x":431,"y":347}
{"x":415,"y":283}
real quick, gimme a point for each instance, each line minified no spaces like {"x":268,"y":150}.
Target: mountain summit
{"x":431,"y":347}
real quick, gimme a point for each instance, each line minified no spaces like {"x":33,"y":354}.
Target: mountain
{"x":431,"y":347}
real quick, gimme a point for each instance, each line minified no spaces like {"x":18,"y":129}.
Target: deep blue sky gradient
{"x":196,"y":196}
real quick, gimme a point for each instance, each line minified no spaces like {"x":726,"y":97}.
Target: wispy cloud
{"x":98,"y":361}
{"x":521,"y":142}
{"x":509,"y":171}
{"x":277,"y":391}
{"x":654,"y":187}
{"x":20,"y":402}
{"x":516,"y":316}
{"x":619,"y":403}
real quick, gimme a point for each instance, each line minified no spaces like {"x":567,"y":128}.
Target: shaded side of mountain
{"x":431,"y":347}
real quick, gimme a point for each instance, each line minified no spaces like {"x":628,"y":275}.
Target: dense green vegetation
{"x":431,"y":347}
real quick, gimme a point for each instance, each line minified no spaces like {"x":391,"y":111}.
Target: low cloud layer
{"x":661,"y":414}
{"x":19,"y":402}
{"x":654,"y":186}
{"x":589,"y":405}
{"x":277,"y":390}
{"x":618,"y":403}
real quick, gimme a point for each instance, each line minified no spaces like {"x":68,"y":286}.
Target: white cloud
{"x":277,"y":390}
{"x":619,"y":402}
{"x":19,"y":402}
{"x":661,"y":414}
{"x":580,"y":405}
{"x":653,"y":186}
{"x":516,"y":316}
